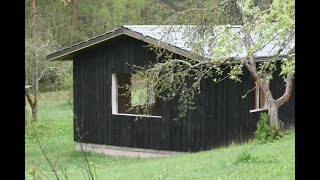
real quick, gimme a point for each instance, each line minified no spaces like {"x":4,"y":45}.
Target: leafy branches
{"x":181,"y":78}
{"x":267,"y":30}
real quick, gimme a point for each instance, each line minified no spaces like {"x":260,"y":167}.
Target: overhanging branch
{"x":286,"y":96}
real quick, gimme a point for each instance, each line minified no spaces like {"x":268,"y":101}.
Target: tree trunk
{"x":270,"y":103}
{"x":35,"y":88}
{"x":32,"y":16}
{"x":25,"y":115}
{"x":34,"y":106}
{"x":35,"y":101}
{"x":25,"y":118}
{"x":74,"y":18}
{"x":34,"y":113}
{"x":273,"y":110}
{"x":74,"y":13}
{"x":34,"y":109}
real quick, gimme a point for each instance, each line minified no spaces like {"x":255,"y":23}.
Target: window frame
{"x":114,"y":99}
{"x":258,"y":94}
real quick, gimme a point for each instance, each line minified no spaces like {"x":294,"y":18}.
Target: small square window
{"x":141,"y":94}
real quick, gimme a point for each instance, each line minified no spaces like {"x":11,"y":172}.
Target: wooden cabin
{"x":100,"y":65}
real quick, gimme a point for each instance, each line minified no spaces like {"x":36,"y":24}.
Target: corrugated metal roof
{"x":178,"y":35}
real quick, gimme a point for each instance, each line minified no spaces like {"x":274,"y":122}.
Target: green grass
{"x":248,"y":161}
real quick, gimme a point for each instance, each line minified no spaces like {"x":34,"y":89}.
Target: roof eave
{"x":68,"y":53}
{"x":163,"y":45}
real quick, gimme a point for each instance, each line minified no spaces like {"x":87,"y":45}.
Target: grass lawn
{"x":248,"y":161}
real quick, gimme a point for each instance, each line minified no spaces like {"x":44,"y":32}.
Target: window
{"x":130,"y":103}
{"x":257,"y":97}
{"x":141,"y":92}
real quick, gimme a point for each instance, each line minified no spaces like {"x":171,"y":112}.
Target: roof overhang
{"x":69,"y":52}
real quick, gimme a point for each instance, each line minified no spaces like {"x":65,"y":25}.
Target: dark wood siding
{"x":221,"y":116}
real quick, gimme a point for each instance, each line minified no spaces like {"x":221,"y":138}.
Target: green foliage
{"x":58,"y":78}
{"x":169,"y":80}
{"x":53,"y":29}
{"x":235,"y":72}
{"x":34,"y":172}
{"x":245,"y":157}
{"x":263,"y":24}
{"x":266,"y":68}
{"x":265,"y":132}
{"x":141,"y":90}
{"x":99,"y":16}
{"x":275,"y":133}
{"x":287,"y":67}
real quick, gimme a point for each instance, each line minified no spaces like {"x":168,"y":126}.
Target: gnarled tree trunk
{"x":273,"y":105}
{"x":273,"y":110}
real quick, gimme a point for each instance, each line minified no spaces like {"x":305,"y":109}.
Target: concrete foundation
{"x":124,"y":151}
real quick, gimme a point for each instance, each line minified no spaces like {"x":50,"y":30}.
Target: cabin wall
{"x":221,"y":115}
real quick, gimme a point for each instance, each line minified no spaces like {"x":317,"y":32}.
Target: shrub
{"x":264,"y":132}
{"x":276,"y":134}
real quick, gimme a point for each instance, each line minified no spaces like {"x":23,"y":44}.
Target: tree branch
{"x":189,"y":64}
{"x":29,"y":99}
{"x":286,"y":96}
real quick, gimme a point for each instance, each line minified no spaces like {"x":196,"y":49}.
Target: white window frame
{"x":114,"y":93}
{"x":114,"y":99}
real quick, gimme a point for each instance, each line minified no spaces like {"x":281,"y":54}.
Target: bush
{"x":276,"y":134}
{"x":264,"y":132}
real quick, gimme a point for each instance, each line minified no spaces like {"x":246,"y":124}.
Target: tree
{"x":32,"y":16}
{"x":275,"y":24}
{"x":38,"y":43}
{"x":234,"y":49}
{"x":74,"y":13}
{"x":74,"y":17}
{"x":36,"y":51}
{"x":53,"y":25}
{"x":34,"y":104}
